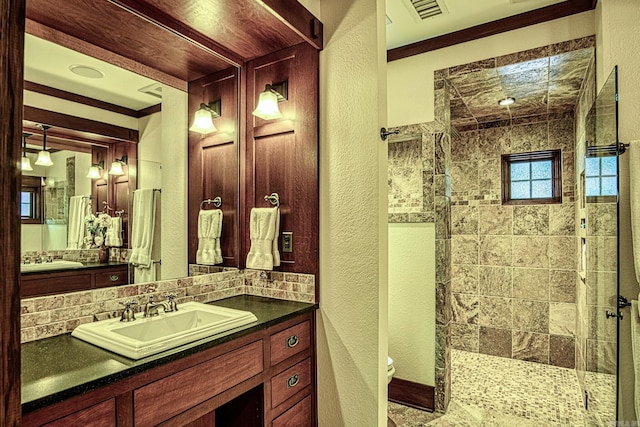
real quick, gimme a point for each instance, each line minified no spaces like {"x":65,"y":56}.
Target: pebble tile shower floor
{"x":494,"y":391}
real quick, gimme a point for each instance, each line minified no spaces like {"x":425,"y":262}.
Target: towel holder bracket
{"x":216,"y":201}
{"x":273,"y":198}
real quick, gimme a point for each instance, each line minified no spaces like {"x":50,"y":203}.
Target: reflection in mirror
{"x":156,"y":112}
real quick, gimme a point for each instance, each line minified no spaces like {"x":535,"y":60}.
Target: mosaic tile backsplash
{"x":48,"y":316}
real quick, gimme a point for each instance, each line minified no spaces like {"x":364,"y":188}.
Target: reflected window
{"x":601,"y":176}
{"x":532,"y":178}
{"x":31,"y":200}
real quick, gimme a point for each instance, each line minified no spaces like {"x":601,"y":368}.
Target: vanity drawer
{"x":289,"y":382}
{"x":165,"y":398}
{"x":299,"y":415}
{"x":112,"y":277}
{"x":102,"y":414}
{"x":291,"y":341}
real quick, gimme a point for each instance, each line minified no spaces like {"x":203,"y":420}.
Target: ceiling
{"x":407,"y":27}
{"x":540,"y":85}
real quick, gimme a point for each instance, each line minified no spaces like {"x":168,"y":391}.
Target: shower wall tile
{"x":464,"y":219}
{"x":531,"y":346}
{"x":495,"y":219}
{"x":562,"y":253}
{"x":602,"y":253}
{"x":562,"y":319}
{"x":490,"y":174}
{"x":495,"y":312}
{"x":531,"y":316}
{"x":531,"y":220}
{"x":562,"y":285}
{"x":529,"y":137}
{"x":495,"y":342}
{"x":562,"y":219}
{"x":531,"y":252}
{"x":600,"y":326}
{"x":464,"y":308}
{"x":531,"y":283}
{"x":464,"y":250}
{"x":495,"y":281}
{"x":464,"y":279}
{"x":464,"y":337}
{"x":495,"y":250}
{"x":601,"y":356}
{"x":464,"y":176}
{"x":602,"y":287}
{"x":562,"y":351}
{"x":602,"y":219}
{"x":443,"y":269}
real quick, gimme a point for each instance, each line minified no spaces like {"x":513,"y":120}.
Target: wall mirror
{"x":148,"y":73}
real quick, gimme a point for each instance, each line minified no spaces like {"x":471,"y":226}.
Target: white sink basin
{"x":146,"y":336}
{"x":55,"y":265}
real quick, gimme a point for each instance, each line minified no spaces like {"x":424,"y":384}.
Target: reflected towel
{"x":635,"y":351}
{"x":75,"y":237}
{"x":143,"y":227}
{"x":264,"y":230}
{"x":114,"y":233}
{"x":209,"y":229}
{"x":634,"y":179}
{"x":144,"y":274}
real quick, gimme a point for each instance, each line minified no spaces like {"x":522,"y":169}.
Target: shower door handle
{"x":610,"y":314}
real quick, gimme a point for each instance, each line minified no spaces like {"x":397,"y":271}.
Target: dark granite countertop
{"x":85,"y":266}
{"x":57,"y":368}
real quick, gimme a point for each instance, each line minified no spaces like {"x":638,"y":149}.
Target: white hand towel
{"x":262,"y":228}
{"x":143,"y":227}
{"x":209,"y":228}
{"x":275,"y":252}
{"x":634,"y":178}
{"x":75,"y":238}
{"x":114,"y":233}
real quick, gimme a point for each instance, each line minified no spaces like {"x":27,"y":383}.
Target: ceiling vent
{"x":425,"y":9}
{"x":154,"y":89}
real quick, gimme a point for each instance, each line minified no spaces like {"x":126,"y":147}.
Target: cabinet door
{"x":100,"y":415}
{"x":299,"y":415}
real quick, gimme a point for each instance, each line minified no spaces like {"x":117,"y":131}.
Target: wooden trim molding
{"x":544,"y":14}
{"x":416,"y":395}
{"x":12,"y":16}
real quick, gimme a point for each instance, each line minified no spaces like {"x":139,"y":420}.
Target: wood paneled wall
{"x":213,"y":161}
{"x":281,"y":156}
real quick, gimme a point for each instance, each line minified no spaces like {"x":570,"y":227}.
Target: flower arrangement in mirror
{"x":97,"y":227}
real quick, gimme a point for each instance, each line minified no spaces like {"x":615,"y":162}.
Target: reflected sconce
{"x":25,"y":163}
{"x":44,"y":157}
{"x":507,"y":101}
{"x":116,"y":166}
{"x":267,"y":108}
{"x":203,"y":119}
{"x":94,"y":170}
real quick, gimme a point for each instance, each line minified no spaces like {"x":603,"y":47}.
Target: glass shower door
{"x":603,"y":309}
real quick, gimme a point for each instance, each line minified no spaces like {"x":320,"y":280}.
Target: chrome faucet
{"x":151,"y":308}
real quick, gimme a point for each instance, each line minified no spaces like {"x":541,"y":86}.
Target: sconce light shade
{"x":267,"y":108}
{"x":203,"y":118}
{"x":25,"y":164}
{"x":44,"y":159}
{"x":116,"y":166}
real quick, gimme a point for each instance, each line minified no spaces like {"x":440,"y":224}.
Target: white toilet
{"x":390,"y":369}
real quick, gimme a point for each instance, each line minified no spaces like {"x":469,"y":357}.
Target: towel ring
{"x":274,"y":199}
{"x":217,"y":202}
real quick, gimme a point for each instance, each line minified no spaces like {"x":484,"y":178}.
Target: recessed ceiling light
{"x":86,"y":71}
{"x":507,"y":101}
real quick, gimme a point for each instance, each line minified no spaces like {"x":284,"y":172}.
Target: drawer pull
{"x":293,"y":381}
{"x":114,"y":277}
{"x":292,"y":341}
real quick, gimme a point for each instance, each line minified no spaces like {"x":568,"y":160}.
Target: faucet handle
{"x":172,"y":301}
{"x":128,"y":315}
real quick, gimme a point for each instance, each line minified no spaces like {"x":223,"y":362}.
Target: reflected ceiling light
{"x":44,"y":157}
{"x":506,"y":101}
{"x":94,"y":170}
{"x":203,"y":119}
{"x":267,"y":108}
{"x":86,"y":71}
{"x":25,"y":164}
{"x":116,"y":166}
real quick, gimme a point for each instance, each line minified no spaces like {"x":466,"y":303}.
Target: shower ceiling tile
{"x":485,"y":64}
{"x":534,"y":77}
{"x":521,"y":67}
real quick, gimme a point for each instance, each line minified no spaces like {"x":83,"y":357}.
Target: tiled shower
{"x":509,"y":278}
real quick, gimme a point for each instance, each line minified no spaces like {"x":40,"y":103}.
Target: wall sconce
{"x":25,"y":163}
{"x":116,"y":166}
{"x":44,"y":157}
{"x":203,"y":119}
{"x":267,"y":108}
{"x":94,"y":170}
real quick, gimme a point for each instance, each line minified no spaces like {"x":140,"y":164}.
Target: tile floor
{"x":521,"y":394}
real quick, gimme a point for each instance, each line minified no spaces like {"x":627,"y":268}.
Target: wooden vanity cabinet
{"x":266,"y":378}
{"x":82,"y":279}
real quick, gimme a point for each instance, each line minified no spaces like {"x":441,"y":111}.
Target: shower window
{"x":601,"y":177}
{"x":531,"y":178}
{"x":30,"y":200}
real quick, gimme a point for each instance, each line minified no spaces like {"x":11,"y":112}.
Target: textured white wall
{"x":352,"y":321}
{"x":150,"y":151}
{"x":410,"y":80}
{"x":174,"y":238}
{"x":618,"y":43}
{"x":412,"y":294}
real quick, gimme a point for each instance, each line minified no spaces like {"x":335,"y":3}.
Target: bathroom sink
{"x":45,"y":266}
{"x":146,"y":336}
